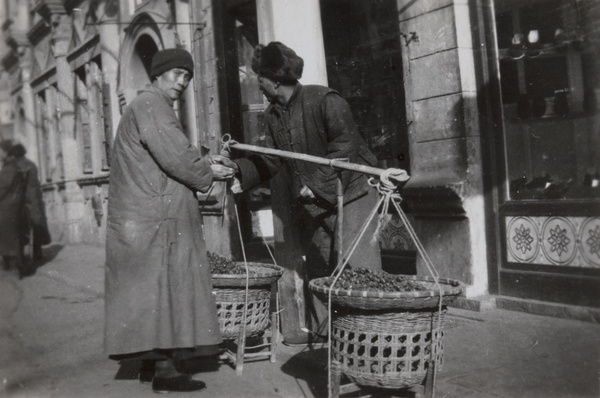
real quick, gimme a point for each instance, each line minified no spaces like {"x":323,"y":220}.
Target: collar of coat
{"x":161,"y":93}
{"x":291,"y":101}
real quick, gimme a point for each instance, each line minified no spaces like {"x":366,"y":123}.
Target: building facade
{"x":490,"y":105}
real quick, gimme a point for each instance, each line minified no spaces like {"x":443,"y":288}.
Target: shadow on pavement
{"x":49,"y":253}
{"x":310,"y":365}
{"x":130,"y":365}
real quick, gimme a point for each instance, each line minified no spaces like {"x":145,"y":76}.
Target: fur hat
{"x":277,"y":62}
{"x":18,"y":150}
{"x":171,"y":58}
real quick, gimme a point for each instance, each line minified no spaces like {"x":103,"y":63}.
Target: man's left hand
{"x":221,"y":173}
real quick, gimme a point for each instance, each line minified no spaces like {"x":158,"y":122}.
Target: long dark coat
{"x":12,"y":201}
{"x":35,"y":211}
{"x":158,"y":281}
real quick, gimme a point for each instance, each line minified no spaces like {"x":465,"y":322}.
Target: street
{"x":52,"y":331}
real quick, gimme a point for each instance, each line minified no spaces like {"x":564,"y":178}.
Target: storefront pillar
{"x":27,"y":133}
{"x":445,"y":193}
{"x":73,"y":194}
{"x":24,"y":128}
{"x":108,"y":31}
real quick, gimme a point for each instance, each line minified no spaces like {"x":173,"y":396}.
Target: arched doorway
{"x":143,"y":40}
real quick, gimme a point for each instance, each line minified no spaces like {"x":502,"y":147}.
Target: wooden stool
{"x":269,"y":339}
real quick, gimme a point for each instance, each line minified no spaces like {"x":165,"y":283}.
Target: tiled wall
{"x":563,"y":241}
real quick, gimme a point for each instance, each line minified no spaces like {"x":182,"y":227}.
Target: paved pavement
{"x":51,"y":327}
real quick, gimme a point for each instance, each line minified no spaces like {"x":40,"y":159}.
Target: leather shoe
{"x":147,"y":370}
{"x":183,"y":383}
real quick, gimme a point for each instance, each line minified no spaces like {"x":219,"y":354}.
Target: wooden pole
{"x":340,"y":217}
{"x":335,"y":163}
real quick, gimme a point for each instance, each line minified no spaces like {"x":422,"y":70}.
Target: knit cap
{"x":171,"y":58}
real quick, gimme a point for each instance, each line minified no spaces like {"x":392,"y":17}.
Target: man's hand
{"x":221,"y":173}
{"x":306,"y":193}
{"x":225,"y":161}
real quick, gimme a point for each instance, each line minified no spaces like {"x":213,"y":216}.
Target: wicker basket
{"x":260,"y":275}
{"x":230,"y":296}
{"x":387,"y":350}
{"x":369,"y":300}
{"x":230,"y":310}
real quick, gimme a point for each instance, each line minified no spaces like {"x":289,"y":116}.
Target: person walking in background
{"x":313,"y":120}
{"x":36,"y":228}
{"x":12,"y":202}
{"x":158,"y":287}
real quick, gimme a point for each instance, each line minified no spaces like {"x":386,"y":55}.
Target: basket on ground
{"x":387,"y":350}
{"x":388,"y":339}
{"x":230,"y":297}
{"x":371,"y":300}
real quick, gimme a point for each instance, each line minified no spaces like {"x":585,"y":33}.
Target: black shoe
{"x":147,"y":370}
{"x":183,"y":383}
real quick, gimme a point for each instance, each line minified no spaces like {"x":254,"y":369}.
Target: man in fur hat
{"x":158,"y":290}
{"x":313,"y":120}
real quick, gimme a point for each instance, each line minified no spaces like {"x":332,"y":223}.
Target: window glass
{"x":364,"y":63}
{"x":549,"y":71}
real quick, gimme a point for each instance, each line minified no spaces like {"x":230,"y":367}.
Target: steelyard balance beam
{"x":398,"y":175}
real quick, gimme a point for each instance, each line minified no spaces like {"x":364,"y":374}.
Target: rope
{"x":388,"y":191}
{"x":387,"y":186}
{"x":244,"y":313}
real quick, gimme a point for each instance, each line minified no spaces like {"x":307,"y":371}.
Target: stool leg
{"x":274,"y":321}
{"x":336,"y":377}
{"x":430,"y":380}
{"x":241,"y":349}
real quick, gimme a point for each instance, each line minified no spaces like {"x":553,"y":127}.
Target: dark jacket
{"x":158,"y":288}
{"x":12,"y":202}
{"x":316,"y":121}
{"x":35,"y":212}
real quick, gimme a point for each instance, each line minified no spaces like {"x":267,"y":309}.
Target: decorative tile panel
{"x":561,"y":241}
{"x":393,"y":234}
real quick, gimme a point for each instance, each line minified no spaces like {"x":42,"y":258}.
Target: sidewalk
{"x":51,"y":346}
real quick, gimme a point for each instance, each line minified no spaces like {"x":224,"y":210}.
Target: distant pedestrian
{"x":158,"y":283}
{"x":12,"y":202}
{"x":36,"y":230}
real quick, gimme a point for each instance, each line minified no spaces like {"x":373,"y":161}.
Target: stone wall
{"x":445,"y":193}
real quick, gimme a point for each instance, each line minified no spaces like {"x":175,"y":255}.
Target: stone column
{"x":28,"y":135}
{"x":184,"y":35}
{"x":446,"y":187}
{"x":73,"y":195}
{"x":110,"y":44}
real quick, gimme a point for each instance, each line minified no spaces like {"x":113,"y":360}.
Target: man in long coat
{"x":34,"y":209}
{"x":12,"y":201}
{"x":158,"y":280}
{"x":313,"y":120}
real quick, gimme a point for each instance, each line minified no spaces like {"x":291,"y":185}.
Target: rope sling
{"x":387,"y":185}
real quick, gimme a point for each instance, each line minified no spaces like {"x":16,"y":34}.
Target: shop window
{"x":364,"y":63}
{"x":102,"y":125}
{"x":549,"y":81}
{"x":50,"y":152}
{"x":90,"y":123}
{"x":43,"y":125}
{"x":82,"y":121}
